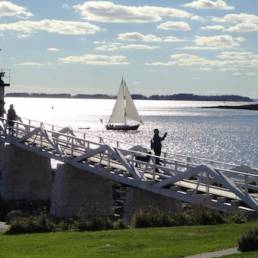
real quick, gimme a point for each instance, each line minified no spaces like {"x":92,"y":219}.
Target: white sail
{"x":118,"y":113}
{"x":130,"y":109}
{"x":124,"y":107}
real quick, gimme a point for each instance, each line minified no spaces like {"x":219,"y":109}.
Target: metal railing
{"x":74,"y":146}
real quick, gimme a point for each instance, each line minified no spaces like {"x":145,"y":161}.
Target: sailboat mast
{"x":125,"y":115}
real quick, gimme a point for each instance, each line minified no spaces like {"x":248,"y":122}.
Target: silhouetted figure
{"x":2,"y":110}
{"x":11,"y":117}
{"x":156,"y":144}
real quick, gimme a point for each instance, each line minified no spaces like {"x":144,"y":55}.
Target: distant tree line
{"x":180,"y":96}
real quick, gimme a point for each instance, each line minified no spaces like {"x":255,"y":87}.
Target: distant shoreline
{"x":244,"y":107}
{"x":180,"y":97}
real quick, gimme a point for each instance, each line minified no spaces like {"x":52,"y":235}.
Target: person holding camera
{"x":156,"y":145}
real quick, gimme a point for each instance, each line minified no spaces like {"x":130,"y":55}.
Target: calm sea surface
{"x":223,"y":135}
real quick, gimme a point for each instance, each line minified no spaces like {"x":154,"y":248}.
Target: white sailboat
{"x":124,"y":112}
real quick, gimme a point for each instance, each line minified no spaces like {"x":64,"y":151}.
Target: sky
{"x":205,"y":47}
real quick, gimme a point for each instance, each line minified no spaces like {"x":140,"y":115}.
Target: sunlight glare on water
{"x":224,"y":135}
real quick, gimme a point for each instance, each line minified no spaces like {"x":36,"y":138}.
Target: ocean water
{"x":222,"y":135}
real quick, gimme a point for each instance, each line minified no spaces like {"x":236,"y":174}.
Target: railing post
{"x":207,"y":183}
{"x":154,"y":170}
{"x":41,"y":138}
{"x":72,"y":147}
{"x":188,"y":161}
{"x":133,"y":161}
{"x":165,"y":159}
{"x":16,"y":129}
{"x":246,"y":183}
{"x":176,"y":166}
{"x":109,"y":160}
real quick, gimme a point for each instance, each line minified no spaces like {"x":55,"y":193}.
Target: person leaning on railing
{"x":11,"y":117}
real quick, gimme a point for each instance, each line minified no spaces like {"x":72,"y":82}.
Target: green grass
{"x":134,"y":243}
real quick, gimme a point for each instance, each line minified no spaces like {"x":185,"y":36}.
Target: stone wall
{"x":76,"y":191}
{"x":25,"y":176}
{"x":137,"y":200}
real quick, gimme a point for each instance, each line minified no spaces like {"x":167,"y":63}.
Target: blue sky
{"x":160,"y":47}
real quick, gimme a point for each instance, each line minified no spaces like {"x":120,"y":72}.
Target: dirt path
{"x":215,"y":254}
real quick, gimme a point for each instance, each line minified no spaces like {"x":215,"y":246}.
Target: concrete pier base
{"x":2,"y":150}
{"x":26,"y":176}
{"x":76,"y":191}
{"x":142,"y":201}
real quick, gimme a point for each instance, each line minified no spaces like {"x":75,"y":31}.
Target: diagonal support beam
{"x":181,"y":175}
{"x":50,"y":140}
{"x":29,"y":135}
{"x":131,"y":169}
{"x":225,"y":181}
{"x":90,"y":153}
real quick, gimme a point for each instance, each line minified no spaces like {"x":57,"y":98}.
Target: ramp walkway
{"x":223,"y":186}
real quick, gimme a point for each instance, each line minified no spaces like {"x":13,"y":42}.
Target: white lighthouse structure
{"x":4,"y":82}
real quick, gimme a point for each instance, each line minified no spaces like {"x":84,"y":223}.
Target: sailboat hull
{"x":122,"y":127}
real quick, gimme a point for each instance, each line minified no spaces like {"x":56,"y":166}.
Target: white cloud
{"x":9,"y":9}
{"x":210,"y":4}
{"x":34,"y":64}
{"x":22,"y":36}
{"x":213,"y":27}
{"x":237,"y":18}
{"x":201,"y":48}
{"x":95,"y":60}
{"x":205,"y":68}
{"x":119,"y":46}
{"x":139,"y":47}
{"x":235,"y":55}
{"x":241,"y":22}
{"x":219,"y":41}
{"x":228,"y":69}
{"x":137,"y":36}
{"x":251,"y":74}
{"x":183,"y":60}
{"x":214,"y":43}
{"x":53,"y":49}
{"x":106,"y":11}
{"x":225,"y":61}
{"x":198,"y":18}
{"x":174,"y":26}
{"x":243,"y":27}
{"x":51,"y":26}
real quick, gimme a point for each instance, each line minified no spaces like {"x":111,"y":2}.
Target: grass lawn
{"x":133,"y":243}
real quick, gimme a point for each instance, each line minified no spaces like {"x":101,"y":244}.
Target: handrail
{"x":120,"y":142}
{"x":189,"y":160}
{"x":72,"y":149}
